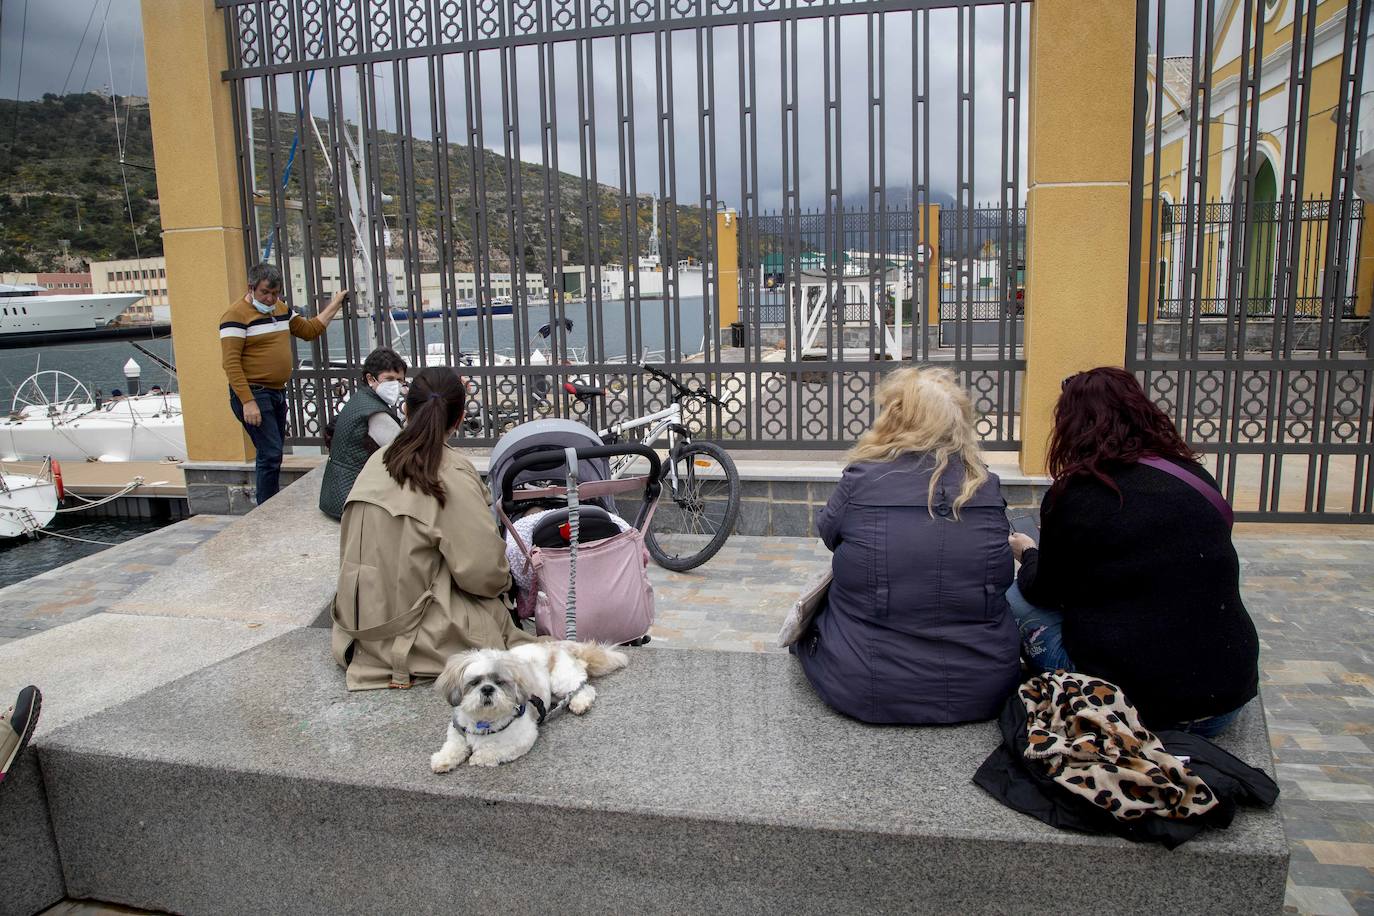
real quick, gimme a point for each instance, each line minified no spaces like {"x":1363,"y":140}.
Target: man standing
{"x":257,"y":359}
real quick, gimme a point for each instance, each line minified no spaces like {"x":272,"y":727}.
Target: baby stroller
{"x":589,"y":578}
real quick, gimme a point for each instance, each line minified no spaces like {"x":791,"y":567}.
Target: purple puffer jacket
{"x":916,"y":629}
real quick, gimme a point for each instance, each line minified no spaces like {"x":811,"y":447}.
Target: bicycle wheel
{"x":697,"y":512}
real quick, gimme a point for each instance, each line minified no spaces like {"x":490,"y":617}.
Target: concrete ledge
{"x":229,"y":487}
{"x":84,"y":668}
{"x":699,"y":783}
{"x":277,"y":565}
{"x":781,"y":498}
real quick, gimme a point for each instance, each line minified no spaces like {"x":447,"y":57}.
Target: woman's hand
{"x":1020,"y":543}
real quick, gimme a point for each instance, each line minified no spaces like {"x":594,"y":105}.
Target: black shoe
{"x":17,"y":725}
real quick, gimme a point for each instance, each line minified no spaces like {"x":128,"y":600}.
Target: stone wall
{"x":228,"y":488}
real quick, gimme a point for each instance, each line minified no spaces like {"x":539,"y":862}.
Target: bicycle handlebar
{"x":682,"y":389}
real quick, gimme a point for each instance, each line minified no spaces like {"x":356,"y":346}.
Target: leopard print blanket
{"x":1089,"y":738}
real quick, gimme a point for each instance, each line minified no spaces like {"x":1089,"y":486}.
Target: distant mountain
{"x":60,"y":182}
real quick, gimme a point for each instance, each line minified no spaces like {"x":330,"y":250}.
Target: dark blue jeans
{"x":1042,"y":647}
{"x":268,"y":437}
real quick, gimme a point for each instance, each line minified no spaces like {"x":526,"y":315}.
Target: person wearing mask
{"x":366,"y":423}
{"x":422,"y":569}
{"x":1135,"y":579}
{"x":255,"y":346}
{"x":915,"y":629}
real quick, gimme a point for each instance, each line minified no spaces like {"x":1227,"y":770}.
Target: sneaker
{"x":16,"y":727}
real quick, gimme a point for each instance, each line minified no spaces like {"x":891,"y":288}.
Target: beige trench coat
{"x":417,"y":582}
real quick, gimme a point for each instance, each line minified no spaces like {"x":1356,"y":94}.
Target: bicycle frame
{"x":667,"y":421}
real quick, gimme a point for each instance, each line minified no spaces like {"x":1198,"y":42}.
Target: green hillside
{"x":60,"y":181}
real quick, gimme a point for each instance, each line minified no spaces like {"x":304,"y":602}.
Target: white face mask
{"x":389,"y":391}
{"x":263,"y":306}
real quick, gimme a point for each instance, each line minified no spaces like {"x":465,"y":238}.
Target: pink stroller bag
{"x":590,"y":590}
{"x":615,"y":601}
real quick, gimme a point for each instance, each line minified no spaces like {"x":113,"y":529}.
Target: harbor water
{"x":99,"y":364}
{"x":69,"y":538}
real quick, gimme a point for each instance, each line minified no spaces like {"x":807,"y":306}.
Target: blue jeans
{"x":268,"y":437}
{"x":1042,"y":647}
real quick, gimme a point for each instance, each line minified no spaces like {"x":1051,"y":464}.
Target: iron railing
{"x":1248,"y":320}
{"x":430,"y":154}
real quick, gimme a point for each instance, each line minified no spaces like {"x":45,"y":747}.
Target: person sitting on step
{"x":915,"y":629}
{"x":1135,"y":579}
{"x":422,"y":570}
{"x":366,"y":423}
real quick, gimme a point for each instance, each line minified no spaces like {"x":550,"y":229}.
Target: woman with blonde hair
{"x":916,"y":628}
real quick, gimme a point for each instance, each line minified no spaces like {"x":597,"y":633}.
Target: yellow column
{"x":202,"y":227}
{"x":932,"y":260}
{"x":727,"y":265}
{"x":1077,"y":246}
{"x":1364,"y":276}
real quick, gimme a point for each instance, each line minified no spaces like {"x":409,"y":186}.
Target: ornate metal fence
{"x":1249,"y":314}
{"x":549,"y":190}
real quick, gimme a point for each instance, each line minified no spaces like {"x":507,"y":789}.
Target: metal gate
{"x":1248,"y":318}
{"x":538,"y":191}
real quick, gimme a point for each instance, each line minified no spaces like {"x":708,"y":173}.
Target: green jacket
{"x":349,"y":449}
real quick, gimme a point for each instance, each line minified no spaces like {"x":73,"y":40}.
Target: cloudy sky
{"x":78,"y":45}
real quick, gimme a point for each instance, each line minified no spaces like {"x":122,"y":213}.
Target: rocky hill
{"x":62,"y":198}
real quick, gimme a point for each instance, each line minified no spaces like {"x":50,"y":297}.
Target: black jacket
{"x":1023,"y":785}
{"x":1149,"y":586}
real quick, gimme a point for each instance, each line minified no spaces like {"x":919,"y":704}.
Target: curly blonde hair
{"x":925,"y":411}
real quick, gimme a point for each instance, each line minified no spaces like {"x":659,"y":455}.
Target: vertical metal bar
{"x":1337,"y":249}
{"x":1241,"y":226}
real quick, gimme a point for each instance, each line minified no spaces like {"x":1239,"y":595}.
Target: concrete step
{"x":279,"y":564}
{"x":83,"y":669}
{"x":699,"y":782}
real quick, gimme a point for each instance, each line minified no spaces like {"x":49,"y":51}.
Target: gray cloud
{"x":54,"y":54}
{"x":54,"y":49}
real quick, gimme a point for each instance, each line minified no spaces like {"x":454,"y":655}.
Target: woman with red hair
{"x":1135,"y":579}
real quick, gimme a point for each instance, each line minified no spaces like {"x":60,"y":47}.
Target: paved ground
{"x":1310,"y":590}
{"x":95,"y":582}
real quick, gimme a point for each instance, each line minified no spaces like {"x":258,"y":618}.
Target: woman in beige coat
{"x":422,"y":572}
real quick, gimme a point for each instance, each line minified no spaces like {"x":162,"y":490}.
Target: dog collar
{"x":485,"y":728}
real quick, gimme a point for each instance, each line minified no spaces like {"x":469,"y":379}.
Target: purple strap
{"x":1197,"y":483}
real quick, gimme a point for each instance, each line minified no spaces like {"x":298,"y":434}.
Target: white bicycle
{"x":701,"y":490}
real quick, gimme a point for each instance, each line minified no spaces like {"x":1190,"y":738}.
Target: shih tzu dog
{"x":499,"y":697}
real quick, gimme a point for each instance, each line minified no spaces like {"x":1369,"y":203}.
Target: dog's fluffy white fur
{"x":493,"y":720}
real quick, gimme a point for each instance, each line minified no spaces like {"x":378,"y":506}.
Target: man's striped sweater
{"x":255,"y":347}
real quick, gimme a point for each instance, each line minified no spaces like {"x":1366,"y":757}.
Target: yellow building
{"x":1212,"y":179}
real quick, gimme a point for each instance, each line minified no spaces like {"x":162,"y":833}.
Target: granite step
{"x":699,"y":782}
{"x":279,"y":564}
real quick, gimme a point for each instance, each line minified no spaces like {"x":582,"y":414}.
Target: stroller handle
{"x":552,"y":457}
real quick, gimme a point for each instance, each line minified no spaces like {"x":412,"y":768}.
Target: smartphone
{"x":1027,"y":525}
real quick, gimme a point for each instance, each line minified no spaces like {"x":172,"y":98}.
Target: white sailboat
{"x":28,"y":503}
{"x":54,"y":415}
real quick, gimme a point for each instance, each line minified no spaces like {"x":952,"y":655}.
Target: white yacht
{"x":33,"y":310}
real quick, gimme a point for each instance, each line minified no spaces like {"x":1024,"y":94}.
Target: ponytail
{"x":434,"y":407}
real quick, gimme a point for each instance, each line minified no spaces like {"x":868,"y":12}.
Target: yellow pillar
{"x":1077,"y":245}
{"x":1364,"y":276}
{"x":931,"y":212}
{"x":202,"y":227}
{"x":727,"y":265}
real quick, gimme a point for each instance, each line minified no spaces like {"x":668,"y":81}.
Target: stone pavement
{"x":1310,"y":591}
{"x":89,"y":585}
